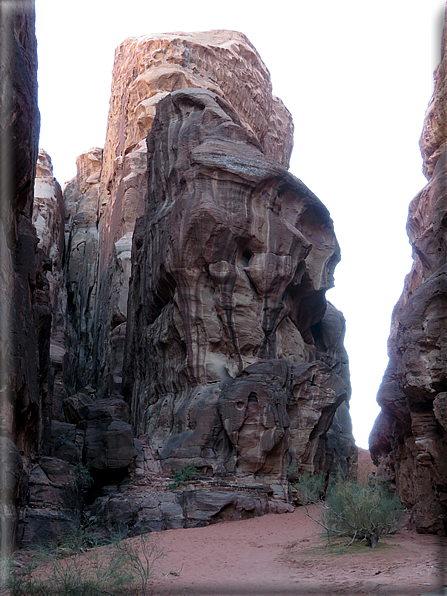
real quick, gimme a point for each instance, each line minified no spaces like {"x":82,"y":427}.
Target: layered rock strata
{"x":409,"y":440}
{"x":230,"y":265}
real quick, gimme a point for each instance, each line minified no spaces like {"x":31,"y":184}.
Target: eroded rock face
{"x":21,"y":274}
{"x":107,"y":439}
{"x":54,"y":502}
{"x":230,"y":266}
{"x":433,"y":140}
{"x":409,"y":440}
{"x":146,"y":69}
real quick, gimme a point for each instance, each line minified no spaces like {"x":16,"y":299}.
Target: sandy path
{"x":280,"y":555}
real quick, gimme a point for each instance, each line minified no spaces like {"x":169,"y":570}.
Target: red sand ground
{"x":281,"y":555}
{"x":286,"y":554}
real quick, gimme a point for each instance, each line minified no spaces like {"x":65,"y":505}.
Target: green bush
{"x":83,"y":476}
{"x":361,"y":512}
{"x":292,"y":474}
{"x":310,"y":487}
{"x":186,"y":474}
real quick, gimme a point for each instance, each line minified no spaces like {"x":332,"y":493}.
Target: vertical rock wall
{"x":24,"y":308}
{"x":81,"y":198}
{"x":278,"y":272}
{"x":409,"y":440}
{"x":280,"y":312}
{"x":48,"y":220}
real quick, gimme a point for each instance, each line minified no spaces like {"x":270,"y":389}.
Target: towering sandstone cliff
{"x":24,"y":308}
{"x":146,"y":70}
{"x":230,"y":265}
{"x":409,"y":438}
{"x":231,"y":259}
{"x":170,"y":305}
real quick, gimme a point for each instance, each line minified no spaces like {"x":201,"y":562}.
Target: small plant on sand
{"x":310,"y":487}
{"x":141,"y":559}
{"x":78,"y":575}
{"x":184,"y":475}
{"x":360,"y":512}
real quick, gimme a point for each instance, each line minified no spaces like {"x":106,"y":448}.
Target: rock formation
{"x":198,"y":335}
{"x":230,"y":265}
{"x":255,"y":129}
{"x":409,"y":440}
{"x":81,"y":197}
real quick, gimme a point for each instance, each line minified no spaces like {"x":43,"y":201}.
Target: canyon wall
{"x":409,"y":438}
{"x":24,"y":300}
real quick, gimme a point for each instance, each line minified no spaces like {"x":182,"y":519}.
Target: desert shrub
{"x":310,"y":487}
{"x":141,"y":559}
{"x":86,"y":536}
{"x":292,"y":474}
{"x":97,"y":575}
{"x":361,"y":512}
{"x":184,"y":475}
{"x":115,"y":569}
{"x":6,"y":572}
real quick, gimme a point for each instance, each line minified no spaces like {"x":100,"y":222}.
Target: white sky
{"x":357,"y":77}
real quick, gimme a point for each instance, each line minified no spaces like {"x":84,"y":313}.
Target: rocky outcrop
{"x":54,"y":502}
{"x":82,"y":437}
{"x":409,"y":440}
{"x":108,"y":195}
{"x":193,"y":507}
{"x":227,"y":335}
{"x":107,"y":439}
{"x":24,"y":309}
